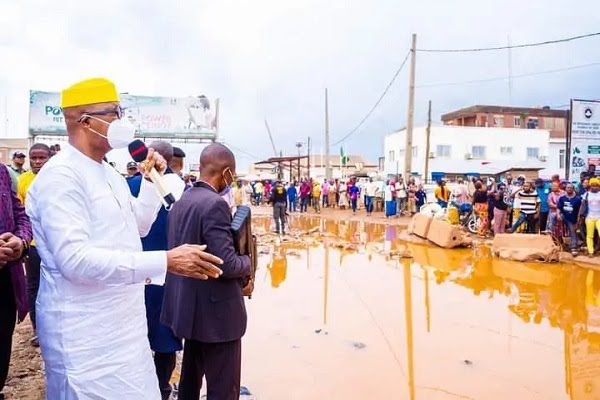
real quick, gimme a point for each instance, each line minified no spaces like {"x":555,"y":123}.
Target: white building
{"x":460,"y":150}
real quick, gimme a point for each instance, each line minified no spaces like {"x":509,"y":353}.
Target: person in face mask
{"x":91,"y":319}
{"x":209,"y":315}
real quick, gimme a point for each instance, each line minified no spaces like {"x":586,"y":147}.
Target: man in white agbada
{"x":90,"y":307}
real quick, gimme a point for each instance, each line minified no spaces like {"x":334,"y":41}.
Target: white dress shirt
{"x":91,"y":318}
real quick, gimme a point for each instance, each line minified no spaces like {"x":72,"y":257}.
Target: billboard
{"x":584,"y":136}
{"x":165,"y":117}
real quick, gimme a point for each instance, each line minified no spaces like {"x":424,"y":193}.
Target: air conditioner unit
{"x":468,"y":156}
{"x":432,"y":154}
{"x":542,"y":158}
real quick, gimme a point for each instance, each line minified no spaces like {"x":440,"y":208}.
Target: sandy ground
{"x":26,"y":376}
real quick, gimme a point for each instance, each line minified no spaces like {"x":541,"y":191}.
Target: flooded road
{"x":328,"y":321}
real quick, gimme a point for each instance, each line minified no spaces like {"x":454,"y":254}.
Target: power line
{"x":237,"y":149}
{"x":362,"y":121}
{"x":503,"y":78}
{"x":518,"y":46}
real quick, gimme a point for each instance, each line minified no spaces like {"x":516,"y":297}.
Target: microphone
{"x":139,"y":153}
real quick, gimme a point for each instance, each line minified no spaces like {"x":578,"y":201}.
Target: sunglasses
{"x":118,"y":111}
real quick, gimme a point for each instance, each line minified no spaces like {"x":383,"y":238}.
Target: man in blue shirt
{"x":291,"y":194}
{"x":568,"y":206}
{"x":543,"y":191}
{"x":162,"y":340}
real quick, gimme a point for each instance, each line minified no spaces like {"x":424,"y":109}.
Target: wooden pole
{"x":328,"y":173}
{"x":411,"y":111}
{"x":427,"y":149}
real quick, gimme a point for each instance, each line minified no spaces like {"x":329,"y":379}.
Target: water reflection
{"x":456,"y":323}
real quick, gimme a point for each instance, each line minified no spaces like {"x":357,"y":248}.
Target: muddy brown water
{"x":329,"y":323}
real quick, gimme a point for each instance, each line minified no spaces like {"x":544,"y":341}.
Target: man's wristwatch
{"x":25,"y":251}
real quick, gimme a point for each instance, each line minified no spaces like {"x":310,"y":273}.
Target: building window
{"x":498,"y":120}
{"x":533,"y":152}
{"x":478,"y":152}
{"x":532,"y":123}
{"x":517,"y":122}
{"x":392,"y":156}
{"x":415,"y":151}
{"x":561,"y":158}
{"x":442,"y":150}
{"x":506,"y":151}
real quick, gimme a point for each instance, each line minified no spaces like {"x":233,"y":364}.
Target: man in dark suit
{"x":210,"y":315}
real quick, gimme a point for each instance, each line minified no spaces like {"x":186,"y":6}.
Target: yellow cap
{"x":594,"y":181}
{"x":89,"y":91}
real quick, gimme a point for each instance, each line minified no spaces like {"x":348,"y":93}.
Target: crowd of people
{"x":557,"y":207}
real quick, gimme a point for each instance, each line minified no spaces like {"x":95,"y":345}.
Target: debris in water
{"x":359,"y":345}
{"x":317,"y":330}
{"x":468,"y":362}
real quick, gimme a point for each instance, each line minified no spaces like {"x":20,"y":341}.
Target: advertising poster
{"x":165,"y":117}
{"x":585,"y":136}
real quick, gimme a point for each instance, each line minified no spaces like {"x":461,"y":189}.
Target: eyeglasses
{"x":118,"y":111}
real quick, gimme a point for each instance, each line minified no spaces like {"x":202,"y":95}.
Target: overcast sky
{"x":273,"y":58}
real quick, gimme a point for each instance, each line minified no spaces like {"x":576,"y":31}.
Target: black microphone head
{"x":138,"y":150}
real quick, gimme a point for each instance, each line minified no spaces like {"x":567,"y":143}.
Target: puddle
{"x":354,"y":323}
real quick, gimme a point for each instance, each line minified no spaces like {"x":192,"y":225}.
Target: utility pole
{"x":411,"y":111}
{"x":327,"y":154}
{"x":427,"y":143}
{"x":509,"y":73}
{"x":308,"y":159}
{"x":298,"y":145}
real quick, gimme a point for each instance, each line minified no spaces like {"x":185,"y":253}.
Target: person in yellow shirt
{"x":442,"y":194}
{"x":316,"y":193}
{"x":39,"y":154}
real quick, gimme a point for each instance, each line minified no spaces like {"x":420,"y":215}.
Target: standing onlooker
{"x":325,"y":194}
{"x":248,"y":192}
{"x":412,"y":200}
{"x":390,"y":199}
{"x":258,"y":192}
{"x":480,"y":205}
{"x":589,"y":174}
{"x":529,"y":208}
{"x":316,"y":197}
{"x":554,"y":226}
{"x":543,"y":192}
{"x":39,"y":154}
{"x":500,"y":210}
{"x":442,"y":194}
{"x":461,"y":192}
{"x":370,"y":192}
{"x":591,"y":210}
{"x":268,"y":191}
{"x":338,"y":189}
{"x":401,"y":196}
{"x":344,"y":201}
{"x":305,"y":190}
{"x":583,"y":187}
{"x":291,"y":196}
{"x":176,"y":163}
{"x":16,"y":234}
{"x":18,"y":162}
{"x":421,"y":197}
{"x":516,"y":202}
{"x":354,"y":192}
{"x":568,"y":211}
{"x":332,"y":195}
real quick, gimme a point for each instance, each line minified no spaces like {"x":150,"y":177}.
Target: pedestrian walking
{"x":279,"y":199}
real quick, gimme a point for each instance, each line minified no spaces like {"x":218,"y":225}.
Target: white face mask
{"x":120,"y":132}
